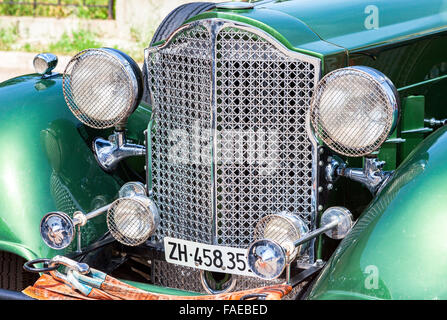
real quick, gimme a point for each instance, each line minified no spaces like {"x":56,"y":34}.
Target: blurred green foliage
{"x":79,"y":11}
{"x":77,"y":41}
{"x":8,"y":36}
{"x":72,"y":42}
{"x":68,"y":44}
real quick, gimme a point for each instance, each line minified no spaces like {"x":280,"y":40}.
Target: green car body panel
{"x":45,"y":166}
{"x":396,"y":249}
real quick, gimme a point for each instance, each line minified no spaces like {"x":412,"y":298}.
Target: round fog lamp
{"x":102,"y":87}
{"x":284,"y":229}
{"x":354,"y":110}
{"x":131,"y":221}
{"x":266,"y":259}
{"x":57,"y":230}
{"x":345,"y":222}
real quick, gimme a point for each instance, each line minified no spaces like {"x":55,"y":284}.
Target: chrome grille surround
{"x":222,"y":93}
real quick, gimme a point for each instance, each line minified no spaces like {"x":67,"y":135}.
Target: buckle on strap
{"x":77,"y":275}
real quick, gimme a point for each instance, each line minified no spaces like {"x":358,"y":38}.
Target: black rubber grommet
{"x":29,"y":266}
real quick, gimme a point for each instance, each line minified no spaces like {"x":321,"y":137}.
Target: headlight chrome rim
{"x":65,"y":231}
{"x":380,"y":86}
{"x":277,"y":255}
{"x":126,"y":68}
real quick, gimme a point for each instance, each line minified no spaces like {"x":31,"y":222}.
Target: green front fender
{"x":398,"y":247}
{"x":45,"y":165}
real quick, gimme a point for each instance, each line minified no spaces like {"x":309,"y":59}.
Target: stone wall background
{"x":131,"y":30}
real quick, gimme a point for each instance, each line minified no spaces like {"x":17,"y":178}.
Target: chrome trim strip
{"x":316,"y":62}
{"x":420,"y":130}
{"x":395,"y":140}
{"x":315,"y":194}
{"x":214,"y":30}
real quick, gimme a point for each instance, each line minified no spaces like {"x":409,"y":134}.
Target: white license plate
{"x":207,"y":257}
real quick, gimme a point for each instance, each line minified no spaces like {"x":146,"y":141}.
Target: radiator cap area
{"x":235,"y":5}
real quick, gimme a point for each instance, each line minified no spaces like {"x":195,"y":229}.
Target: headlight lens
{"x":57,"y":230}
{"x":133,"y":220}
{"x":102,"y":87}
{"x":132,"y":189}
{"x":354,"y":110}
{"x":344,"y":226}
{"x":284,"y":229}
{"x":267,"y":259}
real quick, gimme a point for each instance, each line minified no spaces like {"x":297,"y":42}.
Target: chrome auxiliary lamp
{"x":102,"y":88}
{"x":44,"y":64}
{"x":281,"y":238}
{"x":131,"y":220}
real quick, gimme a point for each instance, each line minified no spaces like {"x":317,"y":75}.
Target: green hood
{"x":357,"y":24}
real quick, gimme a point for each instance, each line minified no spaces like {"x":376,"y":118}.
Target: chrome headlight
{"x":102,"y":87}
{"x":354,"y":110}
{"x":274,"y":246}
{"x":132,"y":220}
{"x":344,"y":218}
{"x":132,"y":189}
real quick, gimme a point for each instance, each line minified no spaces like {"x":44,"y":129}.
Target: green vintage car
{"x":269,"y":142}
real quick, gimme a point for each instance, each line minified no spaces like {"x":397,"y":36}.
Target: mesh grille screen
{"x":129,"y":221}
{"x":264,"y":156}
{"x":256,"y":97}
{"x":180,"y":83}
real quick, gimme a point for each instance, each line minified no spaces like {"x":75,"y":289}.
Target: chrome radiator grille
{"x":264,"y":157}
{"x":229,"y":143}
{"x":181,"y":173}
